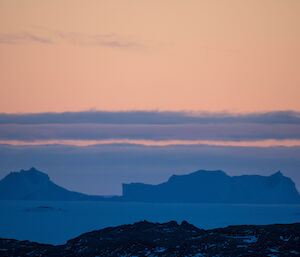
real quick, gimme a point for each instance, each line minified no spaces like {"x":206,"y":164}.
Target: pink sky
{"x":240,"y":56}
{"x":258,"y":143}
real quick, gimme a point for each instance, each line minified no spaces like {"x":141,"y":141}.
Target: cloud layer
{"x":22,"y":37}
{"x":150,"y":117}
{"x":55,"y":36}
{"x":122,"y":157}
{"x":150,"y":126}
{"x":225,"y":132}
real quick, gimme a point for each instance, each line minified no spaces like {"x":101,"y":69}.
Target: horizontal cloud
{"x":219,"y":131}
{"x":15,"y":38}
{"x":150,"y":117}
{"x":138,"y":126}
{"x":108,"y":40}
{"x":55,"y":36}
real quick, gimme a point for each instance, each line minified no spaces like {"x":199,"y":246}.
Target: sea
{"x":59,"y":221}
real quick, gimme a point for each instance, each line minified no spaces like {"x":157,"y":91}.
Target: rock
{"x":169,"y":239}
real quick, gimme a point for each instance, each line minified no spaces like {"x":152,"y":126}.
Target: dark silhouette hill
{"x":35,"y":185}
{"x":169,"y":239}
{"x":216,"y":187}
{"x":199,"y":187}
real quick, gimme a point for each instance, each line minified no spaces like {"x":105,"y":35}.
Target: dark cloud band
{"x":150,"y":117}
{"x":221,"y":131}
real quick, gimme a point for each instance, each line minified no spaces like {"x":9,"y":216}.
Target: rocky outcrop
{"x":169,"y":239}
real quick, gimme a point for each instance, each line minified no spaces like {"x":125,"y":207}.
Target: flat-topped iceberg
{"x":205,"y":186}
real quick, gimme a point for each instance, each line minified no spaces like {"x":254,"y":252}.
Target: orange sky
{"x":233,"y":55}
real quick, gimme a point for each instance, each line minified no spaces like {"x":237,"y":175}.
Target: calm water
{"x":56,"y":222}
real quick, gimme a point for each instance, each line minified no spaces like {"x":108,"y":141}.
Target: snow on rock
{"x":168,"y":239}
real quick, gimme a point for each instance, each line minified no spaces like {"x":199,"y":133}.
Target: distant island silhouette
{"x":201,"y":186}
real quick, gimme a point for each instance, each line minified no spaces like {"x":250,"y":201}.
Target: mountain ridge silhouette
{"x":201,"y":186}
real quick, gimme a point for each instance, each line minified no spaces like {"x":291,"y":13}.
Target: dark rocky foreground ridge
{"x":169,"y":239}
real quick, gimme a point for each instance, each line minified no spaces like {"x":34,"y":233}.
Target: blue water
{"x":57,"y":222}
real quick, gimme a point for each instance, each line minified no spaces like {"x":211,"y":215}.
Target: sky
{"x":216,"y":55}
{"x":109,"y":92}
